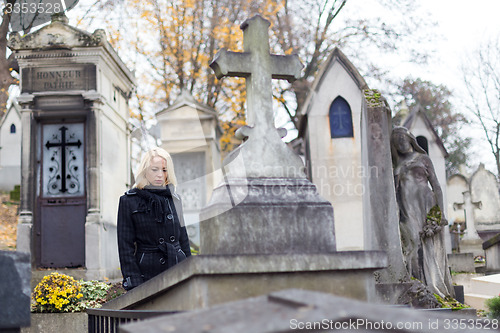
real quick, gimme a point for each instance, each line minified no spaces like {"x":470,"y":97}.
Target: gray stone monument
{"x":278,"y":210}
{"x":15,"y":292}
{"x":421,"y":214}
{"x":263,"y":152}
{"x":492,"y":251}
{"x":75,"y":159}
{"x":382,"y":220}
{"x":296,"y":310}
{"x":265,"y":227}
{"x":470,"y":242}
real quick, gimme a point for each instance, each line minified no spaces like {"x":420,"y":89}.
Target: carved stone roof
{"x":14,"y":107}
{"x":336,"y":56}
{"x":186,"y":99}
{"x":412,"y":117}
{"x":57,"y":34}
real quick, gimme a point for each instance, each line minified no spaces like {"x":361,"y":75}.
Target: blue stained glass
{"x":340,"y":119}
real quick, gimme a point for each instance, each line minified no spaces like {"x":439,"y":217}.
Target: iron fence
{"x":108,"y":321}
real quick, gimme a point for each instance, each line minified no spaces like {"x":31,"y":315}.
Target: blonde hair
{"x":141,"y":180}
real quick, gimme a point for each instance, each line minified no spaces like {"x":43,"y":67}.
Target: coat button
{"x":172,"y":238}
{"x":170,"y":216}
{"x":162,"y":261}
{"x":161,"y":240}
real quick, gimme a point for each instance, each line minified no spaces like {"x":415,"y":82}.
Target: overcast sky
{"x":463,"y":26}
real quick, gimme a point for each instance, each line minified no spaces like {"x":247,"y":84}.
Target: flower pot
{"x":75,"y":322}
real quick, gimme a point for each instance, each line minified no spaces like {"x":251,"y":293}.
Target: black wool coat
{"x":151,"y":234}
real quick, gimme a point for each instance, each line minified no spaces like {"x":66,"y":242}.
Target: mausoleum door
{"x":61,"y":200}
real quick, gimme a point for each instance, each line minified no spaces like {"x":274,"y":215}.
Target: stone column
{"x":470,"y":242}
{"x":25,"y":220}
{"x":382,"y":219}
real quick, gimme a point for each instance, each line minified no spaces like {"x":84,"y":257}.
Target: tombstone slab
{"x":15,"y":291}
{"x":203,"y":281}
{"x":492,"y":251}
{"x":300,"y":310}
{"x":461,"y":262}
{"x":266,"y":215}
{"x":382,"y":220}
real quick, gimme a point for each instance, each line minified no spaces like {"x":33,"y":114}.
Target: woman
{"x":421,"y":217}
{"x":151,"y":232}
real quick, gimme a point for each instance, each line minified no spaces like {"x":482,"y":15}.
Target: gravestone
{"x":381,"y":220}
{"x":15,"y":291}
{"x":461,"y":262}
{"x":484,"y":189}
{"x":75,"y":153}
{"x":456,"y":185}
{"x":190,"y":132}
{"x":265,"y":177}
{"x":470,"y":242}
{"x":476,"y":204}
{"x":492,"y":252}
{"x":264,"y":229}
{"x":295,"y":310}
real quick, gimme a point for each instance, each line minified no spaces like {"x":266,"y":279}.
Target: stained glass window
{"x":340,"y":119}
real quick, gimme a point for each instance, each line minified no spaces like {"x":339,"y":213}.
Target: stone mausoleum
{"x":75,"y":159}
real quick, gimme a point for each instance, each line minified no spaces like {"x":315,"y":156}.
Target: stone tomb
{"x":265,"y":227}
{"x":353,"y":168}
{"x":15,"y":291}
{"x":474,"y":203}
{"x":332,"y":131}
{"x":492,"y":251}
{"x":484,"y":189}
{"x":75,"y":159}
{"x":295,"y":310}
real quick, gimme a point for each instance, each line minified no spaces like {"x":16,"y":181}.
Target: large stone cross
{"x":470,"y":224}
{"x":264,"y":153}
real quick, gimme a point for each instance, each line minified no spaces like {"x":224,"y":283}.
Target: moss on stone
{"x":373,"y":97}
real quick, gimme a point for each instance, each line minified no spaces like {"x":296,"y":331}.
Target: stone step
{"x":488,"y":285}
{"x":476,"y":301}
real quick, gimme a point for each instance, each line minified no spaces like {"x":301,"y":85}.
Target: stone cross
{"x":259,"y":67}
{"x":468,"y":206}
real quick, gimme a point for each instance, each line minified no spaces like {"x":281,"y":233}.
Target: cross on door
{"x":63,"y":144}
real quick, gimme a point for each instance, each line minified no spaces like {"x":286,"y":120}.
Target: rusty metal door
{"x":62,"y":198}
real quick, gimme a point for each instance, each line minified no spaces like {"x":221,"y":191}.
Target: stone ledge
{"x":492,"y":241}
{"x":250,"y":265}
{"x":76,"y":322}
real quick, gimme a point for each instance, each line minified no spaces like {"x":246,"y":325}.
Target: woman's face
{"x":402,"y":143}
{"x":156,"y":173}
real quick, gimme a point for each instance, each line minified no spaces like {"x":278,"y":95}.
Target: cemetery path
{"x":8,"y":223}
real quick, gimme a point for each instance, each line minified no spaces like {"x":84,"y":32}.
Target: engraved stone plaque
{"x":61,"y":78}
